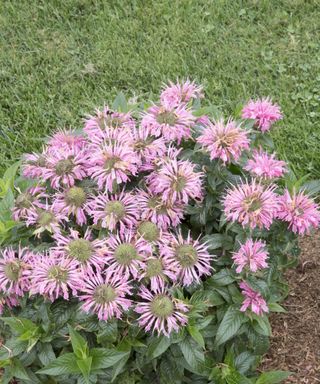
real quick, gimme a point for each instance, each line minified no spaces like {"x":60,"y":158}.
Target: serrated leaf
{"x":275,"y":307}
{"x":45,"y":353}
{"x":244,"y":361}
{"x":158,"y":346}
{"x":85,"y":367}
{"x":223,"y":277}
{"x":64,"y":364}
{"x":273,"y":377}
{"x":18,"y":370}
{"x":79,"y":344}
{"x":19,"y":324}
{"x":103,"y":358}
{"x":229,"y":325}
{"x":196,"y":335}
{"x":262,"y":326}
{"x":193,"y":356}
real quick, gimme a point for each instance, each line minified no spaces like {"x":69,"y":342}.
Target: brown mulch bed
{"x":295,"y":344}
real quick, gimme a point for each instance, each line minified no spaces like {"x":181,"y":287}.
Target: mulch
{"x":295,"y":343}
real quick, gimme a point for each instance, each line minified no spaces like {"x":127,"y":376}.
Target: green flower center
{"x":46,"y":218}
{"x":115,"y":208}
{"x":64,"y":167}
{"x":58,"y":274}
{"x":179,"y":183}
{"x":80,"y":249}
{"x":186,"y":255}
{"x":113,"y":122}
{"x":154,"y":268}
{"x":157,"y":204}
{"x":149,"y":231}
{"x":162,"y":306}
{"x":252,"y":203}
{"x":111,"y":163}
{"x":76,"y":196}
{"x":40,"y":162}
{"x":104,"y":294}
{"x":167,"y":117}
{"x":24,"y":200}
{"x":125,"y":253}
{"x":12,"y":270}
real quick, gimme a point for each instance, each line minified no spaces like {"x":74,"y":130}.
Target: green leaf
{"x":120,"y":103}
{"x":273,"y":377}
{"x":79,"y":344}
{"x":10,"y":174}
{"x":45,"y":353}
{"x":64,"y":364}
{"x":158,"y":346}
{"x":85,"y":367}
{"x":193,"y":356}
{"x":244,"y":361}
{"x":229,"y":325}
{"x":214,"y":241}
{"x":13,"y":347}
{"x":105,"y":358}
{"x":262,"y":326}
{"x":196,"y":335}
{"x":18,"y":370}
{"x":19,"y":325}
{"x":275,"y":307}
{"x":223,"y":277}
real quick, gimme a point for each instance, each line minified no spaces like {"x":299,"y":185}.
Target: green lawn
{"x":60,"y":59}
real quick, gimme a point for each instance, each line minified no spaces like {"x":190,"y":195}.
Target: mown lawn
{"x":60,"y":59}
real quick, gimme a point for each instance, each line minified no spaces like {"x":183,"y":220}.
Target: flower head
{"x":34,"y":164}
{"x":31,"y":199}
{"x":251,"y":204}
{"x":9,"y":301}
{"x":45,"y":219}
{"x":263,"y":111}
{"x":176,"y":94}
{"x":265,"y":166}
{"x":224,"y":141}
{"x":66,"y":139}
{"x":252,"y":254}
{"x":188,"y":257}
{"x":105,"y":295}
{"x":300,"y":211}
{"x":161,"y":312}
{"x":252,"y":299}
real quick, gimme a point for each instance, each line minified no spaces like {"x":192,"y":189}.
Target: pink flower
{"x":105,"y":295}
{"x":86,"y":251}
{"x":300,"y":211}
{"x":126,"y":254}
{"x":111,"y":136}
{"x":34,"y":165}
{"x":176,"y":181}
{"x":224,"y":141}
{"x":113,"y":165}
{"x":71,"y":201}
{"x":175,"y":94}
{"x":45,"y":220}
{"x":29,"y":200}
{"x":173,"y":124}
{"x":152,"y":232}
{"x":252,"y":254}
{"x":161,"y":312}
{"x":252,"y":299}
{"x":156,"y":210}
{"x":188,"y":257}
{"x":263,"y":111}
{"x":265,"y":166}
{"x":115,"y":211}
{"x":252,"y":205}
{"x":66,"y":139}
{"x":14,"y":277}
{"x":9,"y":301}
{"x":53,"y":275}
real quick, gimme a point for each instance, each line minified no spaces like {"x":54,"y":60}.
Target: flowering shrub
{"x":149,"y":246}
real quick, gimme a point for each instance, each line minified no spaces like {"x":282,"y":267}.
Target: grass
{"x":60,"y":59}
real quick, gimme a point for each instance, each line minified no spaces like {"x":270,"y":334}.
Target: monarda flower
{"x":126,"y":254}
{"x":224,"y":141}
{"x":188,"y":257}
{"x":265,"y":166}
{"x":161,"y":312}
{"x":300,"y":211}
{"x":34,"y":165}
{"x":66,"y":139}
{"x":251,"y":204}
{"x":31,"y":199}
{"x":45,"y":219}
{"x":7,"y":301}
{"x":105,"y":294}
{"x":154,"y":209}
{"x":175,"y":94}
{"x":72,"y":201}
{"x":113,"y":165}
{"x":263,"y":111}
{"x":252,"y":299}
{"x":86,"y":251}
{"x":14,"y":275}
{"x":173,"y":124}
{"x":114,"y":211}
{"x":252,"y":255}
{"x":176,"y":181}
{"x":53,"y":275}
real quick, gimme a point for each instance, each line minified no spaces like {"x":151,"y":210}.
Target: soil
{"x":295,"y":344}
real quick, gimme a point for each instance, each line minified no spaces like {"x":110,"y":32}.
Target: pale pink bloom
{"x":71,"y":201}
{"x":263,"y":111}
{"x":105,"y":294}
{"x":175,"y":94}
{"x":173,"y":124}
{"x":53,"y":275}
{"x":155,"y":163}
{"x":152,"y":232}
{"x":188,"y":257}
{"x":8,"y":301}
{"x":14,"y":277}
{"x":105,"y":119}
{"x":65,"y":166}
{"x":252,"y":299}
{"x":300,"y":211}
{"x":126,"y":254}
{"x":66,"y":139}
{"x":34,"y":164}
{"x":176,"y":181}
{"x":111,"y":136}
{"x":265,"y":166}
{"x":161,"y":312}
{"x":251,"y":204}
{"x":113,"y":165}
{"x":114,"y":211}
{"x":31,"y":199}
{"x":252,"y":254}
{"x":84,"y":249}
{"x":225,"y":141}
{"x":45,"y":219}
{"x":162,"y":213}
{"x":203,"y":120}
